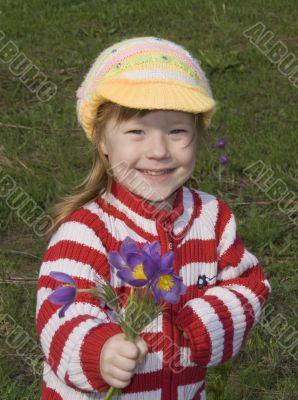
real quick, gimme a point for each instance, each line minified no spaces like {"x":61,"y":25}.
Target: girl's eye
{"x":135,"y":131}
{"x":178,"y":130}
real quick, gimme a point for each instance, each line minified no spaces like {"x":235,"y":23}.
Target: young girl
{"x":144,"y":105}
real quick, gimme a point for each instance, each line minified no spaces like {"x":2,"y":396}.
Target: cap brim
{"x":158,"y":95}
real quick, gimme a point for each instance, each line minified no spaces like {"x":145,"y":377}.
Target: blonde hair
{"x":99,"y":179}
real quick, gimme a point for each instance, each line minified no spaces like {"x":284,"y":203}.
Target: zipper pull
{"x":168,"y":226}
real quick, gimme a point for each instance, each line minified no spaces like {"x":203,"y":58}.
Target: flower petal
{"x":179,"y":288}
{"x":134,"y":259}
{"x":62,"y":277}
{"x":63,"y":295}
{"x":146,"y":248}
{"x":156,"y":258}
{"x":159,"y":294}
{"x":171,"y":297}
{"x":138,"y":282}
{"x":124,"y":274}
{"x":116,"y":261}
{"x":153,"y":247}
{"x":128,"y":246}
{"x":156,"y":293}
{"x":61,"y":313}
{"x":167,"y":261}
{"x":183,"y":289}
{"x":151,"y":268}
{"x":153,"y":250}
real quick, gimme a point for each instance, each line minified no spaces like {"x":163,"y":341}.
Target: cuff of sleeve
{"x":90,"y":353}
{"x":198,"y":336}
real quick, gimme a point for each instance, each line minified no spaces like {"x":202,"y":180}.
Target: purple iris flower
{"x":220,"y":143}
{"x":165,"y":284}
{"x":155,"y":261}
{"x":168,"y":286}
{"x":130,"y":263}
{"x":65,"y":294}
{"x":224,"y":159}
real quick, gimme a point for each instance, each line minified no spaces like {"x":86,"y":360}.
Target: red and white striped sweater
{"x":217,"y":318}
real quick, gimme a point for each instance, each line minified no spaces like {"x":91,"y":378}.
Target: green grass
{"x":45,"y":152}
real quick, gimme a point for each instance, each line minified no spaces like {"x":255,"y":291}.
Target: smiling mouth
{"x":156,"y":173}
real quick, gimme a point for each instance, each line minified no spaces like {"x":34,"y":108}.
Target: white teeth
{"x":145,"y":171}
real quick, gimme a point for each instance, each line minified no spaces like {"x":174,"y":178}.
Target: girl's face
{"x":160,"y":141}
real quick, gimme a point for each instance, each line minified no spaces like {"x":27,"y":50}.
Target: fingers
{"x":130,"y":350}
{"x":119,"y":372}
{"x":143,"y":349}
{"x":120,"y":375}
{"x":124,"y":363}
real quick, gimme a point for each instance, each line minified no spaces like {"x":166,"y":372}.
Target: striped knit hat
{"x":144,"y":73}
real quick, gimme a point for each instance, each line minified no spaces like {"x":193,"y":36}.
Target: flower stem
{"x":112,"y":392}
{"x":143,"y":301}
{"x":131,"y":296}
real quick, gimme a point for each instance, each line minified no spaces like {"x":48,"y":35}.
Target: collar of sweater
{"x":126,"y":205}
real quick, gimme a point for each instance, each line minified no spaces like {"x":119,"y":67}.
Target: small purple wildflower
{"x":224,"y":159}
{"x":220,"y":143}
{"x":65,"y":294}
{"x":165,"y":284}
{"x":168,"y":286}
{"x":130,"y":263}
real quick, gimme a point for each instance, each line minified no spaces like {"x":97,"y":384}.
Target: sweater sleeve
{"x":72,"y":344}
{"x":219,"y":321}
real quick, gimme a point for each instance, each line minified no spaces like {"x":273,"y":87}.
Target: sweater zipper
{"x":170,"y":246}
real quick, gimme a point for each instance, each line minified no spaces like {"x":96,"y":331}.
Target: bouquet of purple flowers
{"x":139,"y":267}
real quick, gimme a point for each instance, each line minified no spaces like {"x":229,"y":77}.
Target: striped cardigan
{"x":217,"y":317}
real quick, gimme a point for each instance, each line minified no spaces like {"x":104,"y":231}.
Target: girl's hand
{"x":119,"y":358}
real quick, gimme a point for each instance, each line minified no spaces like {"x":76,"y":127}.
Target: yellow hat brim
{"x":149,"y":95}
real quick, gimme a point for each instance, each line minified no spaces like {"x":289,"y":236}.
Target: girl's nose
{"x":157,"y":146}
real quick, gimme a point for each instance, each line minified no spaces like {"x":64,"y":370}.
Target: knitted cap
{"x":144,"y":73}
